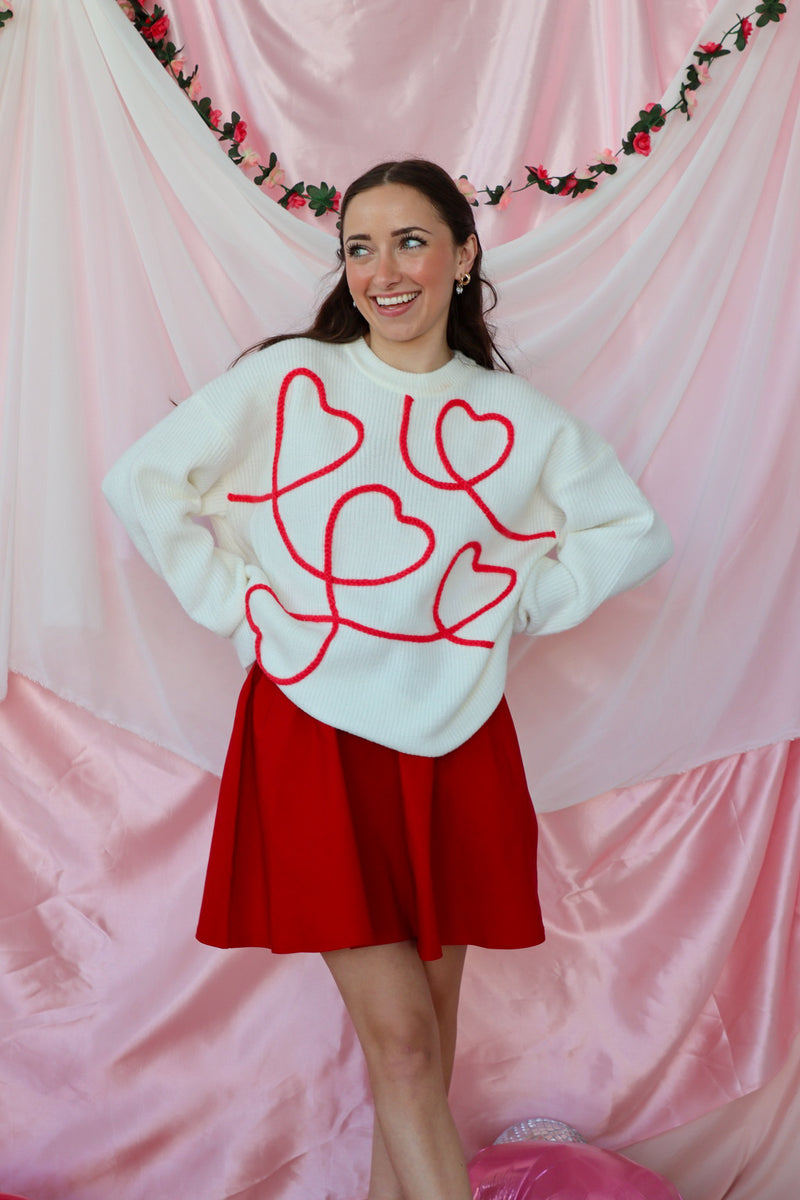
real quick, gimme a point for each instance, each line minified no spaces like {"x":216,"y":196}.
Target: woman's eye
{"x":356,"y":251}
{"x":412,"y":241}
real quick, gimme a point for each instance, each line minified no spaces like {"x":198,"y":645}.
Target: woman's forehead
{"x":388,"y":207}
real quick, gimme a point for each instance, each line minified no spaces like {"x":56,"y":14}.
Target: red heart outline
{"x":375,"y":581}
{"x":449,"y":631}
{"x":280,"y":421}
{"x":498,"y":418}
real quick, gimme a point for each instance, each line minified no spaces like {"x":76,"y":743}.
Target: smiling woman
{"x":402,"y":273}
{"x":386,"y":508}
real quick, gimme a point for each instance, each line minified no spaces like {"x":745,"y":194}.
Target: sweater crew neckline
{"x":418,"y":383}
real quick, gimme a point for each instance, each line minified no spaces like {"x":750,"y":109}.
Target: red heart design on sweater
{"x":464,"y":451}
{"x":459,"y":583}
{"x":316,"y":423}
{"x":288,"y":645}
{"x":370,"y":541}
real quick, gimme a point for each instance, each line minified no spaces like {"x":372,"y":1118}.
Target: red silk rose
{"x":569,"y":184}
{"x":240,"y":132}
{"x":641,"y":143}
{"x":711,"y":47}
{"x":157,"y":30}
{"x":215,"y":116}
{"x":746,"y":28}
{"x":295,"y":201}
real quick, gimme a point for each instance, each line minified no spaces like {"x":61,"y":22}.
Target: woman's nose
{"x":386,"y":268}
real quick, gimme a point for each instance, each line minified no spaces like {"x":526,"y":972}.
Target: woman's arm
{"x":611,"y":539}
{"x":170,"y":477}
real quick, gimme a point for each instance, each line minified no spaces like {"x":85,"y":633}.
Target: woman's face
{"x":402,"y":264}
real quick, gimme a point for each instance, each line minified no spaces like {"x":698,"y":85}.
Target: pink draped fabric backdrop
{"x":661,"y":1013}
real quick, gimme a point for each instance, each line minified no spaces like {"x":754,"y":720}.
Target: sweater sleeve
{"x":611,"y":538}
{"x":167,"y":479}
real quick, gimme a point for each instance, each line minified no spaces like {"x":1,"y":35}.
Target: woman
{"x":387,"y":508}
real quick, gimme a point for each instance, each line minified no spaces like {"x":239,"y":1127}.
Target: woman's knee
{"x":405,"y":1049}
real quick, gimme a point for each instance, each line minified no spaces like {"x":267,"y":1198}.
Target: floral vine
{"x":323,"y":197}
{"x":652,"y":118}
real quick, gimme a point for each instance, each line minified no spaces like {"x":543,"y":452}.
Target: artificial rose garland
{"x":154,"y":27}
{"x":323,"y":197}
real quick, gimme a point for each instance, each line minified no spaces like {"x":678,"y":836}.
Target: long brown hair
{"x":338,"y":321}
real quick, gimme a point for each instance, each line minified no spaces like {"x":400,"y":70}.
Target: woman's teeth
{"x":389,"y":301}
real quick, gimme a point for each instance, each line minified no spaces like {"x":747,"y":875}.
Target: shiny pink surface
{"x":140,"y":1062}
{"x":135,"y":262}
{"x":544,"y":1171}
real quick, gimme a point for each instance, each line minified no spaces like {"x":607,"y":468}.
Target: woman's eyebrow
{"x":365,"y":237}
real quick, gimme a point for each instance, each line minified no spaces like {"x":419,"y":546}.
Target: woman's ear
{"x":467,"y":254}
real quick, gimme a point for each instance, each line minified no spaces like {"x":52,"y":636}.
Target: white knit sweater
{"x":379,"y":535}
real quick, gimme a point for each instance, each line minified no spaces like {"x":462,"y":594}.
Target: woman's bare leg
{"x":444,"y":980}
{"x":404,"y":1012}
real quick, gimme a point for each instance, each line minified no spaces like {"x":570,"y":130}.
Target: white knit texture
{"x":380,"y":579}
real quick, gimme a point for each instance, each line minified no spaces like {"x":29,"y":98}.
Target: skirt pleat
{"x":325,"y":840}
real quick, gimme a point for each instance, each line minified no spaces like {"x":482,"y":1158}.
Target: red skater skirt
{"x":325,"y":840}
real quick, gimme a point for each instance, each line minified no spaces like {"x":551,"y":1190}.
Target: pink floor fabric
{"x":140,"y":1063}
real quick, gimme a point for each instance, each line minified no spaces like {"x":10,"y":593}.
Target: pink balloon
{"x":562,"y":1171}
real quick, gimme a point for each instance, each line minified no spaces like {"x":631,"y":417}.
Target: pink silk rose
{"x":505,"y":199}
{"x":249,"y":156}
{"x":275,"y":177}
{"x":127,"y":8}
{"x":177,"y":64}
{"x":641,"y":143}
{"x":703,"y":73}
{"x":295,"y":201}
{"x":691,"y":102}
{"x":606,"y":156}
{"x":240,"y":132}
{"x":467,"y":189}
{"x":711,"y":47}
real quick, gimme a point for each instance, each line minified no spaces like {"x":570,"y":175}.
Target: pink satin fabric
{"x":142,"y":1063}
{"x":484,"y":90}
